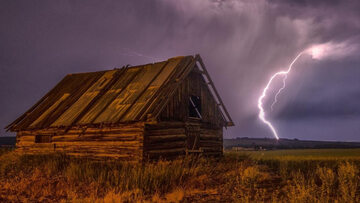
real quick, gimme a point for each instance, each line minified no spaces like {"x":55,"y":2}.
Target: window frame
{"x":196,"y":106}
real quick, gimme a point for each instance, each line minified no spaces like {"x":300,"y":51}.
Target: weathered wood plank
{"x":102,"y":143}
{"x":206,"y":130}
{"x":101,"y":156}
{"x":37,"y":145}
{"x":166,"y":138}
{"x":166,"y":151}
{"x":169,"y":131}
{"x":212,"y":149}
{"x":95,"y":139}
{"x":26,"y":139}
{"x":164,"y":124}
{"x":209,"y":137}
{"x":98,"y":137}
{"x":166,"y":145}
{"x":87,"y":149}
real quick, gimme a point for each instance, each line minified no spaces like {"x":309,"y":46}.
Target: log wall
{"x":211,"y":140}
{"x":122,"y":142}
{"x":169,"y":140}
{"x":166,"y":140}
{"x":128,"y":142}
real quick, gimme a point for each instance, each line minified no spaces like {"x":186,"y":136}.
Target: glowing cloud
{"x":332,"y":50}
{"x":319,"y":51}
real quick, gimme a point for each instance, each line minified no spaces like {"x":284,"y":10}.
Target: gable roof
{"x":108,"y":97}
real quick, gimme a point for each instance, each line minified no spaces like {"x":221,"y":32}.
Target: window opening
{"x":195,"y":107}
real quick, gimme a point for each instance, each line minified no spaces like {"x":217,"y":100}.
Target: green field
{"x":305,"y":154}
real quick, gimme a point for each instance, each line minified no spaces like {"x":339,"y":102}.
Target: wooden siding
{"x":211,"y":140}
{"x":177,"y":107}
{"x":166,"y":140}
{"x":122,"y":142}
{"x":169,"y":140}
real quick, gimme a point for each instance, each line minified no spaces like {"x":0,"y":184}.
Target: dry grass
{"x":235,"y":177}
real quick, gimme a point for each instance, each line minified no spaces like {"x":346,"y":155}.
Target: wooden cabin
{"x":163,"y":109}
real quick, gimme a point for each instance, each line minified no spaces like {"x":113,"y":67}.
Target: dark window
{"x":42,"y":139}
{"x":195,"y":107}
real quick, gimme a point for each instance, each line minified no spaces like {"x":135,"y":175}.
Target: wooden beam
{"x":228,"y":120}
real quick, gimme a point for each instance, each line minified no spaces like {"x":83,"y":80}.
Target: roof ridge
{"x":129,"y":66}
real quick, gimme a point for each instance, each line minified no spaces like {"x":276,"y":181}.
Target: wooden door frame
{"x":193,"y":128}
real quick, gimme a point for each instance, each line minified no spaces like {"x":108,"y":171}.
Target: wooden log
{"x":99,"y":139}
{"x":85,"y":149}
{"x":24,"y":143}
{"x":211,"y":141}
{"x":26,"y":139}
{"x":168,"y":154}
{"x":169,"y":131}
{"x":78,"y":130}
{"x":139,"y":134}
{"x":96,"y":138}
{"x":212,"y":149}
{"x":166,"y":138}
{"x":215,"y":154}
{"x":162,"y":151}
{"x":209,"y":137}
{"x":116,"y":130}
{"x":37,"y":132}
{"x":163,"y":125}
{"x":166,"y":145}
{"x":209,"y":144}
{"x":130,"y":144}
{"x":113,"y":156}
{"x":210,"y":131}
{"x":36,"y":145}
{"x":32,"y":151}
{"x":64,"y":137}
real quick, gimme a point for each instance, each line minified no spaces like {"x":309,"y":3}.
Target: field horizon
{"x":247,"y":142}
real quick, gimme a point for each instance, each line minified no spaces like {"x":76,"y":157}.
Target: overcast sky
{"x":241,"y":42}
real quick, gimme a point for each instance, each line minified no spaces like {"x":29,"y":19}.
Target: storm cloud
{"x":242,"y":43}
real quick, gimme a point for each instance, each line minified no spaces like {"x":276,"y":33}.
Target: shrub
{"x":348,"y":177}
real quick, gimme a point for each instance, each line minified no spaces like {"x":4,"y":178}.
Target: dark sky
{"x":242,"y":43}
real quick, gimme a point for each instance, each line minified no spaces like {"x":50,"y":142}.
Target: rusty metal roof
{"x":107,"y":97}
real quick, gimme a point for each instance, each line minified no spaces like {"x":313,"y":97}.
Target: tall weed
{"x":348,"y":177}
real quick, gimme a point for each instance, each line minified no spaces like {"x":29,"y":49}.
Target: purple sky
{"x":242,"y":43}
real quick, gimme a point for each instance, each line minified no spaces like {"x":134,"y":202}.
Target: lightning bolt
{"x":318,"y":52}
{"x":263,"y":95}
{"x":285,"y":73}
{"x":277,"y":94}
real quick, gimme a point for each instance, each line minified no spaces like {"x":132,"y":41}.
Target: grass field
{"x":306,"y":154}
{"x":326,"y":175}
